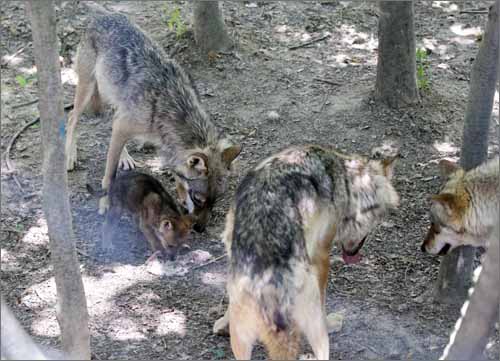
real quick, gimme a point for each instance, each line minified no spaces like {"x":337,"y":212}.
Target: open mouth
{"x":354,"y":251}
{"x":445,"y":249}
{"x":353,"y":256}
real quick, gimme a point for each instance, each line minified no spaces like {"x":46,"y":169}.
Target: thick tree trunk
{"x":396,"y":83}
{"x":456,"y":268}
{"x":209,"y":30}
{"x":72,"y":307}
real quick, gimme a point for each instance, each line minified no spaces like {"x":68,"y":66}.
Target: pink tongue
{"x":351,"y":259}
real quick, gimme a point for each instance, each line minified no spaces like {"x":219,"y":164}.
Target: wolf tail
{"x":281,"y":336}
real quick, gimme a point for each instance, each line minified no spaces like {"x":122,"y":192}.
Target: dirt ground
{"x":321,"y":93}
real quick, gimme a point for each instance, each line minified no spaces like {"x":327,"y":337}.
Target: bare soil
{"x":323,"y":94}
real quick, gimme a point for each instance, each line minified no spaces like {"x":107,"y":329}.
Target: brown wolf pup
{"x":287,"y":212}
{"x":153,"y":209}
{"x":155,"y":100}
{"x":466,"y":210}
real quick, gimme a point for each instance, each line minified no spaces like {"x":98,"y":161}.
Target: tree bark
{"x":471,"y":333}
{"x":209,"y":29}
{"x":72,"y":306}
{"x":456,"y":268}
{"x":396,"y":83}
{"x":16,"y":344}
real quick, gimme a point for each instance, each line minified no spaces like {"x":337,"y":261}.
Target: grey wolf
{"x":286,"y":214}
{"x":465,"y":212}
{"x":156,"y":213}
{"x":155,"y":100}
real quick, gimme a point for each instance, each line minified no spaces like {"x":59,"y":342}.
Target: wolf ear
{"x":152,"y":207}
{"x":197,"y":163}
{"x":229,"y":153}
{"x":446,"y":200}
{"x":447,"y":167}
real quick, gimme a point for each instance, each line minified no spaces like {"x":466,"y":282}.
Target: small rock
{"x":273,"y":115}
{"x":403,"y":307}
{"x":334,"y":322}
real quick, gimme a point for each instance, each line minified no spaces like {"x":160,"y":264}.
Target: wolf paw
{"x":70,"y":157}
{"x":126,"y":161}
{"x":103,"y":205}
{"x":221,"y":326}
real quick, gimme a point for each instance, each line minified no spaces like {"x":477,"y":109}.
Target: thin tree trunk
{"x":209,"y":29}
{"x":471,"y":333}
{"x":16,"y":344}
{"x":456,"y":268}
{"x":72,"y":307}
{"x":396,"y":83}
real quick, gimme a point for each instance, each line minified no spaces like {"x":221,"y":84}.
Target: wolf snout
{"x":199,"y":228}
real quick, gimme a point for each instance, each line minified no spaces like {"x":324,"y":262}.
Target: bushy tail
{"x":281,"y":336}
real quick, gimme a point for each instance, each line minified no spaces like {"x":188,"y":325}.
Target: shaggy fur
{"x":278,"y":235}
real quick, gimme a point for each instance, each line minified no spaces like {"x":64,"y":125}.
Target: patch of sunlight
{"x":103,"y":290}
{"x":282,"y":28}
{"x":496,"y":105}
{"x":171,"y":322}
{"x":37,"y":234}
{"x":45,"y":324}
{"x":213,"y":278}
{"x":432,"y":44}
{"x":68,"y":75}
{"x":29,"y":71}
{"x":445,"y":147}
{"x":447,"y":6}
{"x":338,"y":60}
{"x":9,"y":261}
{"x":462,"y":41}
{"x":490,"y":345}
{"x":123,"y":329}
{"x":461,"y":30}
{"x":12,"y":59}
{"x":356,"y":39}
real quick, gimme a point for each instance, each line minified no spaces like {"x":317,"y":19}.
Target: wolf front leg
{"x":119,"y":136}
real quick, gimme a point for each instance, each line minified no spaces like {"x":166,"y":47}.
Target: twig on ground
{"x":310,"y":42}
{"x":10,"y":167}
{"x":472,"y":11}
{"x":327,"y":81}
{"x":207,"y":263}
{"x":17,"y":106}
{"x":7,"y":59}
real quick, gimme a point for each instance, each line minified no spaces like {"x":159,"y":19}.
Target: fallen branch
{"x":310,"y":42}
{"x":474,"y":11}
{"x":327,"y":81}
{"x":25,"y":104}
{"x":209,"y":262}
{"x":10,"y":167}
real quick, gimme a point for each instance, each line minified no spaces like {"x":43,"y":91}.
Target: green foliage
{"x":174,"y":21}
{"x":423,"y":70}
{"x":25,"y":81}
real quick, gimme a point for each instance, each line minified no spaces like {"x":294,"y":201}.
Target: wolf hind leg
{"x":87,"y":85}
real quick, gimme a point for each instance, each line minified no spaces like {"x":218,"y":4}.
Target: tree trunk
{"x":396,"y":83}
{"x":72,"y":306}
{"x":16,"y":344}
{"x":456,"y":268}
{"x":478,"y":318}
{"x":209,"y":30}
